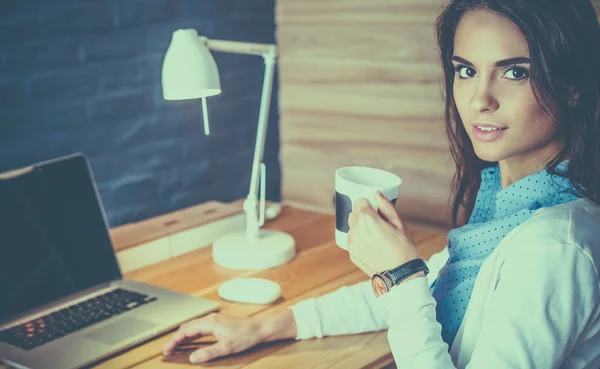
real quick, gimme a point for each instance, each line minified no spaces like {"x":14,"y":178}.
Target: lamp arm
{"x":255,"y":217}
{"x":263,"y":119}
{"x":237,"y":47}
{"x":255,"y":220}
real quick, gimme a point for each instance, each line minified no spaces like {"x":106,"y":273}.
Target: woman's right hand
{"x":233,"y":335}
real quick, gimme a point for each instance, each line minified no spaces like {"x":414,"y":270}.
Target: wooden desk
{"x":319,"y":267}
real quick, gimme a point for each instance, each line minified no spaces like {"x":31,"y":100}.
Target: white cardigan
{"x":535,"y":303}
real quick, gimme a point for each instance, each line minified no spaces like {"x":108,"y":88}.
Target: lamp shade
{"x":189,"y":70}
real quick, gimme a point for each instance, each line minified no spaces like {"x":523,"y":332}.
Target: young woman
{"x":521,"y":287}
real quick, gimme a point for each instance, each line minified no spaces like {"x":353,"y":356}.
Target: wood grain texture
{"x":360,"y":85}
{"x":320,"y":267}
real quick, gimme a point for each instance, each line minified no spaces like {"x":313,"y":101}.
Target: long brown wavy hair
{"x":564,"y":43}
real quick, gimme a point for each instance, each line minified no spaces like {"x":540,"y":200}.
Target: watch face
{"x":379,"y":286}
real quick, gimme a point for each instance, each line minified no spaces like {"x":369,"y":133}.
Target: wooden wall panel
{"x":360,"y":85}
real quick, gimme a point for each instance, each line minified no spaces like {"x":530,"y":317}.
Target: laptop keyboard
{"x":73,"y":318}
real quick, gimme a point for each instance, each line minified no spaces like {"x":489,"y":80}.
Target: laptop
{"x":63,"y":300}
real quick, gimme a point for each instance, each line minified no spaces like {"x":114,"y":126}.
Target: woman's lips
{"x":488,"y":135}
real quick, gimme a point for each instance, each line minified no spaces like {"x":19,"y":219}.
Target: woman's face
{"x":493,"y":93}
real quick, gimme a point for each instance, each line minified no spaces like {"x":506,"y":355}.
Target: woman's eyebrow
{"x":501,"y":63}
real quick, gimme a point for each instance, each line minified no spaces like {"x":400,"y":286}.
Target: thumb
{"x":388,"y":212}
{"x":220,"y":348}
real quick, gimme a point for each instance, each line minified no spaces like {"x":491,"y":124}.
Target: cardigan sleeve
{"x":544,"y":298}
{"x":349,"y":310}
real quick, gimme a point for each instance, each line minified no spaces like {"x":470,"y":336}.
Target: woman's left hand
{"x":377,"y":242}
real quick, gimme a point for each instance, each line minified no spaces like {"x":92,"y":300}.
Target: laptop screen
{"x":53,"y":236}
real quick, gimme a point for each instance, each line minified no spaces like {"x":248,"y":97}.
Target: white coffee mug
{"x":352,"y":183}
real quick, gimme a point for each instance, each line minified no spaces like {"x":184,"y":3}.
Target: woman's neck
{"x":518,"y":167}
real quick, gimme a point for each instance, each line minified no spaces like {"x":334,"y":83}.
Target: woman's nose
{"x":483,"y":98}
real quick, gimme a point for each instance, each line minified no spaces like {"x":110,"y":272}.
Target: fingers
{"x":352,"y":220}
{"x":189,"y":331}
{"x":387,"y":210}
{"x":361,"y":207}
{"x":221,"y":348}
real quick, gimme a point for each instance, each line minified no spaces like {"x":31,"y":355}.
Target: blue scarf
{"x":496,"y":212}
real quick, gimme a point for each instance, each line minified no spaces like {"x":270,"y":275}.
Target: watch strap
{"x":406,"y":270}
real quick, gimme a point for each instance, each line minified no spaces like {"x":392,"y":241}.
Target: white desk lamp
{"x":189,"y":72}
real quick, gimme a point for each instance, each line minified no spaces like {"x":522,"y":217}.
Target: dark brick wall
{"x":84,"y":76}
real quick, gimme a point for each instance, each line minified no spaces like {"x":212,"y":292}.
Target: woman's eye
{"x":516,"y":73}
{"x":465,"y":72}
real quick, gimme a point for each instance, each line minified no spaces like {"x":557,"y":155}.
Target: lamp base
{"x":271,"y":249}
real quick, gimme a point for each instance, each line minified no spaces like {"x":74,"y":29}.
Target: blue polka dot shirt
{"x":496,"y":212}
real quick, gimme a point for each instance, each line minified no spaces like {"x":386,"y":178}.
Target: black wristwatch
{"x":382,"y":282}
